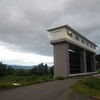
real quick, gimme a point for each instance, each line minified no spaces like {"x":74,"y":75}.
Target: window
{"x":82,"y":41}
{"x":90,"y":45}
{"x":94,"y":47}
{"x":87,"y":43}
{"x":76,"y":37}
{"x":69,"y":33}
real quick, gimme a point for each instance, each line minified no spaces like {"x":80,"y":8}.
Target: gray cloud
{"x":23,"y":23}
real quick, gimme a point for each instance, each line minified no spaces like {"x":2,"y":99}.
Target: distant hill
{"x":21,"y":67}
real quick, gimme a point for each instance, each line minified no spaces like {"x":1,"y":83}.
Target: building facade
{"x":73,"y":53}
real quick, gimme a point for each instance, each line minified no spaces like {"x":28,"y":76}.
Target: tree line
{"x":41,"y":69}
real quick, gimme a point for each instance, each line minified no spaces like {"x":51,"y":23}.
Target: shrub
{"x":59,"y":78}
{"x":2,"y":70}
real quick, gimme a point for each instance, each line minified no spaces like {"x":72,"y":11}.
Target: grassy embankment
{"x":18,"y":81}
{"x":88,"y":86}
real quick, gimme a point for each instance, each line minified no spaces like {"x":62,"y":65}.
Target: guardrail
{"x":80,"y":74}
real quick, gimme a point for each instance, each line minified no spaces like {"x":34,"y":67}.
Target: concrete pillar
{"x":83,"y":67}
{"x":93,"y":63}
{"x":61,"y":60}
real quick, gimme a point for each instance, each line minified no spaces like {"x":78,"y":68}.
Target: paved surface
{"x":77,"y":96}
{"x":55,"y":90}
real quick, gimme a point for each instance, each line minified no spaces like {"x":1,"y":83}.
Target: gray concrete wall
{"x":61,"y":60}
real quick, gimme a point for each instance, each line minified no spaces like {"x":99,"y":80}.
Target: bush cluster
{"x":40,"y":69}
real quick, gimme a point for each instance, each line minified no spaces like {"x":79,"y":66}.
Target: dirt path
{"x":55,"y":90}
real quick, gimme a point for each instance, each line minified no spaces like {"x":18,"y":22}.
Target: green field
{"x":18,"y":81}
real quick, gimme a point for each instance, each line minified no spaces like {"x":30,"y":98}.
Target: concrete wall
{"x":61,"y":60}
{"x":62,"y":34}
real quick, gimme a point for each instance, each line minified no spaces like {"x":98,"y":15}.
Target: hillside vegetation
{"x":10,"y":77}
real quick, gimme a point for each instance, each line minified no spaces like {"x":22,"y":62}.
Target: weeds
{"x":60,"y":78}
{"x":88,"y":86}
{"x":8,"y":81}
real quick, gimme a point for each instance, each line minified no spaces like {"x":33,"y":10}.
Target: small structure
{"x":73,"y":53}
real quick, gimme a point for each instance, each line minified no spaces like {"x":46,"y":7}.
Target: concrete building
{"x":73,"y":53}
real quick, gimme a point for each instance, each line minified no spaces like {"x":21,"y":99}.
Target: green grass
{"x":98,"y":71}
{"x":9,"y":81}
{"x":89,"y":86}
{"x":60,"y":78}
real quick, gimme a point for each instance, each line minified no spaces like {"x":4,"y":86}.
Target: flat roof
{"x":71,"y":29}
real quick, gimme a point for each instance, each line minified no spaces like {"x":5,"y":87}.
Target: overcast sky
{"x":23,"y":24}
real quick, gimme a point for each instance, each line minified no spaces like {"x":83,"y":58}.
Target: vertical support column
{"x":61,"y":59}
{"x":83,"y":67}
{"x":93,"y":63}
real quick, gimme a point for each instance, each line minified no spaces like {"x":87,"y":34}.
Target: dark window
{"x":94,"y":47}
{"x":82,"y":41}
{"x":87,"y":43}
{"x":76,"y":37}
{"x":91,"y":46}
{"x":69,"y":33}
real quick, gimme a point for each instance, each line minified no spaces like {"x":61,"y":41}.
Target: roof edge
{"x":71,"y":29}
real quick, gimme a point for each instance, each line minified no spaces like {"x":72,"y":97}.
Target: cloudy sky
{"x":23,"y":24}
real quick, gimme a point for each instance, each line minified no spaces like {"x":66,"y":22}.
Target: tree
{"x":22,"y":72}
{"x":2,"y":69}
{"x":10,"y":71}
{"x":40,"y":70}
{"x":33,"y":71}
{"x":51,"y":70}
{"x":46,"y":69}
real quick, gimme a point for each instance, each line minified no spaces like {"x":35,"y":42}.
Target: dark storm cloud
{"x":23,"y":23}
